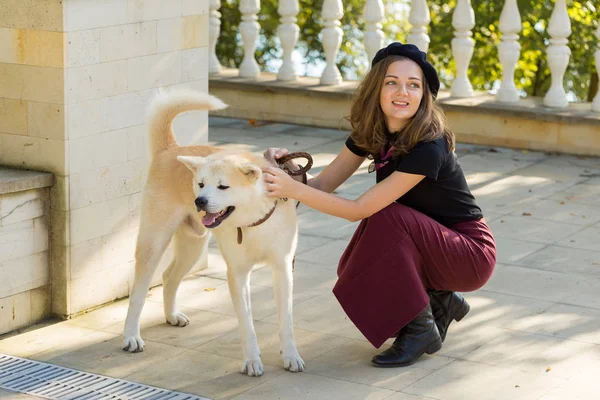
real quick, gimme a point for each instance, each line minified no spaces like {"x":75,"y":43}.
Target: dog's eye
{"x":201,"y":185}
{"x":223,"y":187}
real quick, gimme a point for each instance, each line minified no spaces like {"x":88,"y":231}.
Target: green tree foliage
{"x":532,"y":75}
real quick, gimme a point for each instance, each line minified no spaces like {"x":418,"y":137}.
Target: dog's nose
{"x":201,"y":202}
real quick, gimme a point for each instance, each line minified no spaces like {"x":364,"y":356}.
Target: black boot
{"x":418,"y":337}
{"x":447,"y":306}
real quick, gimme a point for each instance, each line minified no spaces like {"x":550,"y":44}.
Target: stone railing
{"x":463,"y":21}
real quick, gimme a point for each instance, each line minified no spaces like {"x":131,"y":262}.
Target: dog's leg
{"x":238,"y":279}
{"x":153,"y":240}
{"x":283,"y":292}
{"x":187,"y":250}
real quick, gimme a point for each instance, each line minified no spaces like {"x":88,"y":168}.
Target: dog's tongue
{"x":209,"y":218}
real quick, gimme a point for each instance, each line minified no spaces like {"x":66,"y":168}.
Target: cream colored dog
{"x":225,"y":194}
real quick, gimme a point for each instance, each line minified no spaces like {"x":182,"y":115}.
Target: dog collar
{"x":260,"y":221}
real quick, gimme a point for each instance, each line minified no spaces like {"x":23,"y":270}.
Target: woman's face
{"x":401,"y":93}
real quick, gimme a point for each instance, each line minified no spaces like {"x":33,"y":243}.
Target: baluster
{"x":214,"y":29}
{"x":596,"y":102}
{"x":249,"y":29}
{"x":288,"y":32}
{"x":419,"y":18}
{"x":558,"y":53}
{"x":332,"y":39}
{"x":509,"y":50}
{"x":373,"y":13}
{"x":463,"y":20}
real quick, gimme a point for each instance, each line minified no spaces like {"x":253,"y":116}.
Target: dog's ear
{"x":192,"y":162}
{"x":251,"y":171}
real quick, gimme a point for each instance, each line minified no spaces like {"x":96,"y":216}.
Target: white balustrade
{"x":596,"y":102}
{"x":558,"y":54}
{"x":419,"y":18}
{"x":332,"y":39}
{"x":249,"y":29}
{"x":288,"y":32}
{"x":509,"y":50}
{"x":463,"y":20}
{"x":214,"y":30}
{"x":373,"y":13}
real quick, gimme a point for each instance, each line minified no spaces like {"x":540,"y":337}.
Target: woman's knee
{"x":392,"y":216}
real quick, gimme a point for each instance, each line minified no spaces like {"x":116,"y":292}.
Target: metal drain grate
{"x":59,"y":383}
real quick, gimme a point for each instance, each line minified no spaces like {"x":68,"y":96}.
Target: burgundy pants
{"x":398,"y":253}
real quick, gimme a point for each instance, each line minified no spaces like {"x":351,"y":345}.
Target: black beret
{"x":412,"y":52}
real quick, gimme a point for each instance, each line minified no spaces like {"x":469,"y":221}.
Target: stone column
{"x":76,"y":77}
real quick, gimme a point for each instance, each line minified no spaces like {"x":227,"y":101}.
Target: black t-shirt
{"x":443,"y":194}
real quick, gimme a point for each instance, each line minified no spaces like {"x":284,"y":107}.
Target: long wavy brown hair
{"x":369,"y":129}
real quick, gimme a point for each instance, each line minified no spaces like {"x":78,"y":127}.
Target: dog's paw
{"x":178,"y":319}
{"x":293,"y":362}
{"x":133,"y":344}
{"x":252,"y":368}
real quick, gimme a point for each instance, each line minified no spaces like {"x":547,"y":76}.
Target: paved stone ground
{"x":533,"y":331}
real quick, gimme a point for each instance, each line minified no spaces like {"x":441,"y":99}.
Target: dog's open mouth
{"x":212,"y":220}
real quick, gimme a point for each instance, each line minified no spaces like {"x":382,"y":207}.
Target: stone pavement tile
{"x":555,"y":210}
{"x":499,"y":310}
{"x":323,"y":314}
{"x":564,"y":160}
{"x":535,"y":284}
{"x":462,"y":338}
{"x":462,"y":380}
{"x":339,"y":134}
{"x":532,"y":352}
{"x":567,"y":322}
{"x":406,"y":396}
{"x":75,"y":344}
{"x":108,"y":358}
{"x":307,"y":386}
{"x":310,"y":344}
{"x":203,"y":374}
{"x":585,"y":386}
{"x":489,"y":162}
{"x":352,"y":362}
{"x":103,"y":317}
{"x":308,"y":243}
{"x":280,"y":127}
{"x":291,"y":143}
{"x":491,"y":216}
{"x":355,"y":186}
{"x":587,"y":296}
{"x":326,"y":256}
{"x":558,"y":173}
{"x":214,"y":121}
{"x":527,"y":229}
{"x":204,"y":326}
{"x":586,"y":239}
{"x":191,"y":284}
{"x":583,"y":193}
{"x":308,"y":278}
{"x":319,"y":224}
{"x":509,"y":251}
{"x":567,"y":260}
{"x":232,"y":135}
{"x":40,"y":339}
{"x":8,"y":395}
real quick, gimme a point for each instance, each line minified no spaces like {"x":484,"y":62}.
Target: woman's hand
{"x":279,"y":184}
{"x":273,"y":154}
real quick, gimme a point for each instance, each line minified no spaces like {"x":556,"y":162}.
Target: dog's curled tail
{"x":166,"y":106}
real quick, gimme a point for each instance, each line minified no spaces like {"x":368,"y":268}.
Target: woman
{"x":422,"y":235}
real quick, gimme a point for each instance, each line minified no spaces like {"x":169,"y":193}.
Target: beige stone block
{"x":582,"y":136}
{"x":154,"y":71}
{"x":182,"y":33}
{"x":108,"y":114}
{"x":100,"y":219}
{"x":194,"y":7}
{"x":32,"y":47}
{"x":92,"y":187}
{"x":96,"y":81}
{"x":86,"y":258}
{"x":59,"y":193}
{"x":41,"y":234}
{"x":88,"y":14}
{"x":137,"y":142}
{"x":46,"y":120}
{"x":118,"y":248}
{"x":13,"y":116}
{"x":87,"y":293}
{"x":82,"y":48}
{"x":60,"y":222}
{"x":40,"y":303}
{"x":15,"y":312}
{"x":150,"y":10}
{"x":61,"y":298}
{"x":31,"y":83}
{"x":35,"y":153}
{"x":16,"y":240}
{"x":21,"y":206}
{"x":97,"y":151}
{"x":25,"y":273}
{"x":60,"y":264}
{"x":127,"y":41}
{"x":195,"y":66}
{"x":32,"y":14}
